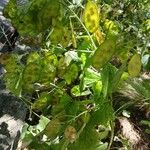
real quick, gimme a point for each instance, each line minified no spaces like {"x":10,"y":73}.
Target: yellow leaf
{"x":34,"y":56}
{"x":111,"y":28}
{"x":134,"y":66}
{"x":91,"y":16}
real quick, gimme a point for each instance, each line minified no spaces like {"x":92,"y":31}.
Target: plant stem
{"x":112,"y":135}
{"x":76,"y":16}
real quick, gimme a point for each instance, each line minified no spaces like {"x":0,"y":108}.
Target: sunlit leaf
{"x":33,"y":56}
{"x":111,"y":28}
{"x":41,"y":102}
{"x":97,"y":88}
{"x":71,"y":73}
{"x":76,"y":91}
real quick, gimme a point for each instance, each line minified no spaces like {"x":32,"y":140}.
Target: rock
{"x":12,"y":110}
{"x":8,"y":34}
{"x":12,"y":116}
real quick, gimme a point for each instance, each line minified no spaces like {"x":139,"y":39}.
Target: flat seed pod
{"x":47,"y":74}
{"x":56,"y":36}
{"x":62,"y":67}
{"x":9,"y":61}
{"x":48,"y":71}
{"x":52,"y":129}
{"x":91,"y":16}
{"x":31,"y":70}
{"x":71,"y":73}
{"x":65,"y":38}
{"x":103,"y":54}
{"x":134,"y":66}
{"x":74,"y":42}
{"x":31,"y":75}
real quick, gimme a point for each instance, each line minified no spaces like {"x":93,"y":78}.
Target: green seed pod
{"x":31,"y":75}
{"x":103,"y":54}
{"x":52,"y":129}
{"x":134,"y":66}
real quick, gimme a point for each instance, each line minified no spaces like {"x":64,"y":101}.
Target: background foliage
{"x":88,"y":51}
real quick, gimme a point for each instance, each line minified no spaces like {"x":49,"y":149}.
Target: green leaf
{"x":10,"y":9}
{"x":108,"y":76}
{"x":104,"y":114}
{"x":35,"y":144}
{"x":91,"y":77}
{"x":71,"y":73}
{"x":117,"y":77}
{"x":41,"y":102}
{"x":76,"y":91}
{"x":14,"y":81}
{"x":13,"y":76}
{"x":88,"y":139}
{"x":97,"y":89}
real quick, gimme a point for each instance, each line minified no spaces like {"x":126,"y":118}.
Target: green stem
{"x":112,"y":135}
{"x":65,"y":145}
